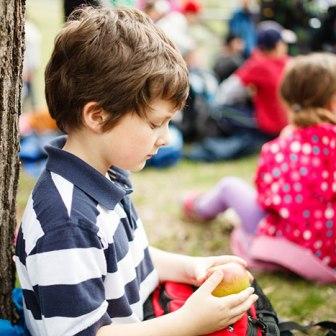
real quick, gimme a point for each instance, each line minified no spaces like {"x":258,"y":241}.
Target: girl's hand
{"x":204,"y":313}
{"x":197,"y":267}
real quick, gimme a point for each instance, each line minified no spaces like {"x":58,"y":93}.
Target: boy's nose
{"x":164,"y":138}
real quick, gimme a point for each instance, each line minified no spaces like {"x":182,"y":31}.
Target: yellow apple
{"x":235,"y":279}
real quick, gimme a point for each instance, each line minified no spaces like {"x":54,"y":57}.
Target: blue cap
{"x":269,"y":33}
{"x":268,"y":39}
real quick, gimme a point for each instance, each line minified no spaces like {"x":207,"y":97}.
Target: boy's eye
{"x":153,"y":125}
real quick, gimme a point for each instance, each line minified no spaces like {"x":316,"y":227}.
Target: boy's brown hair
{"x":307,"y":88}
{"x":117,"y":58}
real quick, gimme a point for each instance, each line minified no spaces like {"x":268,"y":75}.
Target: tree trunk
{"x":11,"y":56}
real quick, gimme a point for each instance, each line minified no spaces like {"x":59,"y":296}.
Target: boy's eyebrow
{"x":165,"y":117}
{"x":159,"y":120}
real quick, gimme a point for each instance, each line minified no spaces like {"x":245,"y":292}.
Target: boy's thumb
{"x":212,"y":282}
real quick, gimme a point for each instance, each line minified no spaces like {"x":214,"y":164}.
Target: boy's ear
{"x":93,"y":116}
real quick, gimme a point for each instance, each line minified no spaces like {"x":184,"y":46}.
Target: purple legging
{"x":234,"y":193}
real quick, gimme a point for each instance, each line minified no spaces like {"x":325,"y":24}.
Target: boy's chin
{"x":138,"y":167}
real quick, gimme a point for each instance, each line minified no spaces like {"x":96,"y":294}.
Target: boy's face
{"x":134,"y":139}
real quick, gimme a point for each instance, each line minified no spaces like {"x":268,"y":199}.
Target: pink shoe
{"x":189,"y":209}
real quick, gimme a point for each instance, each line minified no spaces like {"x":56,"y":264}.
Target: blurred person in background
{"x":31,"y":64}
{"x":230,"y":57}
{"x":191,"y":9}
{"x":203,"y":87}
{"x":172,"y":22}
{"x":204,"y":37}
{"x":243,"y":23}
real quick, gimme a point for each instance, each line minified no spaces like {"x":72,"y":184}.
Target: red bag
{"x":170,"y":296}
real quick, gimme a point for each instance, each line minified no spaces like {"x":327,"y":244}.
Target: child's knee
{"x":230,"y":182}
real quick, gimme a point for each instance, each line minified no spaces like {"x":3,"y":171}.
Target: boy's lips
{"x":150,"y":155}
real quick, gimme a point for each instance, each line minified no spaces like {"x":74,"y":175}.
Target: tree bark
{"x":11,"y":57}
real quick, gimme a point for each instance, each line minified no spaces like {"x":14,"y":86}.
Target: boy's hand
{"x":205,"y":313}
{"x":197,"y":268}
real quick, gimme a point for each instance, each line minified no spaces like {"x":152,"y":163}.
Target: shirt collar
{"x":106,"y":192}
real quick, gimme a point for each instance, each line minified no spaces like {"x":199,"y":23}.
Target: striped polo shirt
{"x":82,"y":254}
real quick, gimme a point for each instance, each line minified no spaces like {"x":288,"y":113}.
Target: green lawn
{"x":158,"y":194}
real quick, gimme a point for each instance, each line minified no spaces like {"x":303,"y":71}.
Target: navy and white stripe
{"x":82,"y":254}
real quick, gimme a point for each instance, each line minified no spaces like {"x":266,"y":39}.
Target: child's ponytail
{"x":304,"y":117}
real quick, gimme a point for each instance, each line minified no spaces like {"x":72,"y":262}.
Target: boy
{"x":113,"y":83}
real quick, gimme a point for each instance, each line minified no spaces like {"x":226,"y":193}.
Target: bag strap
{"x":288,"y":326}
{"x":331,"y":333}
{"x":291,"y":325}
{"x":327,"y":325}
{"x":266,"y":315}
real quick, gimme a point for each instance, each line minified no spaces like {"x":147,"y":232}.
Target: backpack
{"x":260,"y":320}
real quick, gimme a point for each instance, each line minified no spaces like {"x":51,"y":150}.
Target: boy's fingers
{"x":237,"y":299}
{"x":212,"y":282}
{"x":235,"y":319}
{"x":239,"y":311}
{"x":243,"y":307}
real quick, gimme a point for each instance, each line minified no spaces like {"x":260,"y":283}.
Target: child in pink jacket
{"x":289,"y":221}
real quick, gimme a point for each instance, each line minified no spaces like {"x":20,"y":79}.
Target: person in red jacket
{"x":261,"y":75}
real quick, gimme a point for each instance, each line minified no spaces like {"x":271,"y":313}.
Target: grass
{"x":158,"y":194}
